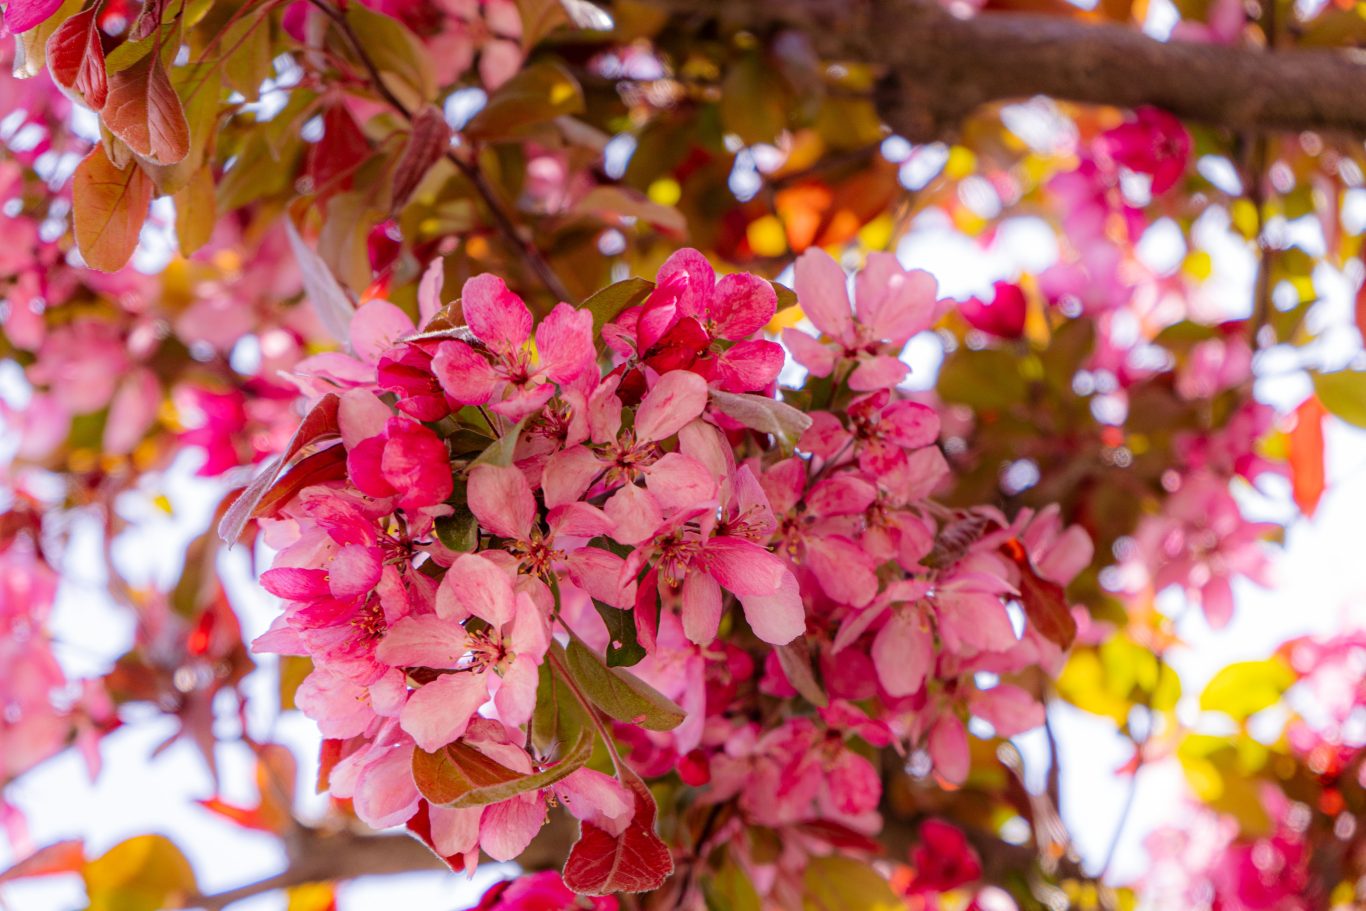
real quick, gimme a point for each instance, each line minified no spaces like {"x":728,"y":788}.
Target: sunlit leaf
{"x":109,"y":207}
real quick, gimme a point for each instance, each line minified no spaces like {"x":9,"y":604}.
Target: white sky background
{"x":1321,"y":587}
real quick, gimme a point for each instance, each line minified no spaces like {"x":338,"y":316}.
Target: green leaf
{"x":460,"y":776}
{"x":537,"y":94}
{"x":398,"y":54}
{"x":1245,"y":688}
{"x":500,"y":452}
{"x":843,"y":884}
{"x":983,"y":379}
{"x":559,"y":717}
{"x":459,"y":531}
{"x":759,"y":412}
{"x":621,"y":694}
{"x":753,"y":100}
{"x":623,"y":650}
{"x":731,"y":890}
{"x":1344,"y":394}
{"x":609,"y":303}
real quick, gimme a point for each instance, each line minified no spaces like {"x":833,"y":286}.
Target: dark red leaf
{"x":634,"y":861}
{"x":342,"y":149}
{"x":427,"y":143}
{"x":75,"y":57}
{"x":317,"y":425}
{"x":1045,"y":603}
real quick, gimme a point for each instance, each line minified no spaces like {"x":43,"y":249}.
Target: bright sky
{"x":1321,"y":587}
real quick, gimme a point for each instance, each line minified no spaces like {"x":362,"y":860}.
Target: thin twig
{"x":471,"y":170}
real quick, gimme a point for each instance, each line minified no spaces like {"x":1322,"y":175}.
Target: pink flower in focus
{"x":506,"y":367}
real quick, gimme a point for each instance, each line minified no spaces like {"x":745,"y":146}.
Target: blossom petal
{"x":439,"y":712}
{"x":501,"y":499}
{"x":677,"y":398}
{"x":823,"y":291}
{"x":475,"y":585}
{"x":496,"y":315}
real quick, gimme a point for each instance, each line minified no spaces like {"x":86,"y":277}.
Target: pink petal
{"x":385,"y":794}
{"x":912,"y":424}
{"x":593,"y":797}
{"x":497,"y":316}
{"x":376,"y":327}
{"x":818,"y":359}
{"x":501,"y":500}
{"x":744,"y":567}
{"x":508,"y":827}
{"x":750,"y":366}
{"x":882,"y":372}
{"x":677,"y":398}
{"x":365,"y":468}
{"x":695,"y":277}
{"x":475,"y":585}
{"x":516,"y":696}
{"x":455,"y":831}
{"x":579,"y":520}
{"x":742,"y":305}
{"x":844,"y":571}
{"x":568,"y":474}
{"x":338,"y":705}
{"x":679,"y":482}
{"x":465,"y":374}
{"x":564,"y":341}
{"x":842,"y":495}
{"x":776,"y":618}
{"x":1007,"y":708}
{"x":903,"y":653}
{"x":894,"y":304}
{"x":636,"y":514}
{"x":360,"y":416}
{"x":439,"y":712}
{"x":423,"y":641}
{"x":949,"y":749}
{"x":416,"y":464}
{"x":701,"y":607}
{"x":823,"y":292}
{"x":355,"y":570}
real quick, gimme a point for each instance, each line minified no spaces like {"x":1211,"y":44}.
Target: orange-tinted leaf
{"x":1307,"y":476}
{"x":108,"y":209}
{"x":458,"y":775}
{"x":318,"y":425}
{"x":144,"y":111}
{"x":59,"y":857}
{"x":246,"y":817}
{"x":76,"y":58}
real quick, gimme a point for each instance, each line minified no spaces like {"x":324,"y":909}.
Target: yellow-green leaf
{"x":539,"y":93}
{"x":145,"y":873}
{"x":843,"y":884}
{"x":194,"y":212}
{"x":1344,"y":394}
{"x":1245,"y":688}
{"x":621,"y":694}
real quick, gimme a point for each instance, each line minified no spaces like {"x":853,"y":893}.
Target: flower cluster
{"x":517,"y":512}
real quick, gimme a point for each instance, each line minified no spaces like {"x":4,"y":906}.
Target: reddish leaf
{"x":420,"y":825}
{"x":340,"y":151}
{"x":22,"y":15}
{"x":430,"y":138}
{"x":453,"y":770}
{"x":108,"y":209}
{"x":634,"y":861}
{"x":59,"y":857}
{"x":327,"y":465}
{"x":246,"y":817}
{"x":144,"y":111}
{"x":76,"y":58}
{"x":317,"y":425}
{"x":1307,"y":477}
{"x":1045,"y":603}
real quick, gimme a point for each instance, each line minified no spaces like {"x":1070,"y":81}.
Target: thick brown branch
{"x":940,"y":68}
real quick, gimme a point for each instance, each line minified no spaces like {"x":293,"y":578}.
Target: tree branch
{"x":939,"y":68}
